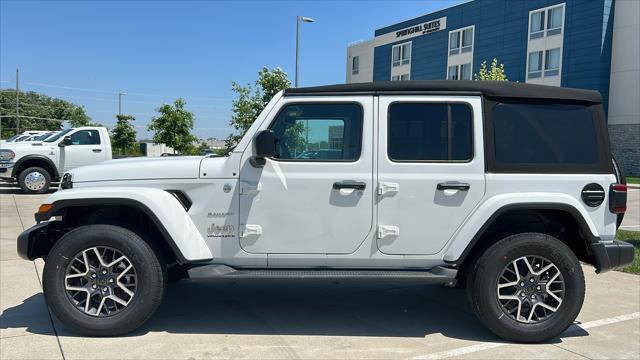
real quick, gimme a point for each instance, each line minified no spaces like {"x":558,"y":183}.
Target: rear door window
{"x":430,"y":132}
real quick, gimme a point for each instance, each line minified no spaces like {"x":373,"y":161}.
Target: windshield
{"x":13,"y":138}
{"x":43,"y":136}
{"x":58,"y":136}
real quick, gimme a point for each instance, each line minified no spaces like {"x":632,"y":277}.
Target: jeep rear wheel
{"x":103,"y":280}
{"x":34,"y":180}
{"x":527,"y":288}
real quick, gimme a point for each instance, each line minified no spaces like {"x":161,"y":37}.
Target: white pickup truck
{"x":36,"y":164}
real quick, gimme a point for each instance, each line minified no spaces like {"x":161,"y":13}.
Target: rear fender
{"x":467,"y":236}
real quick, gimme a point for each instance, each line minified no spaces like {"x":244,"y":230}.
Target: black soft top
{"x":498,"y":89}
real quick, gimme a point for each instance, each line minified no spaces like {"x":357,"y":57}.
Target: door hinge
{"x":386,"y":187}
{"x":250,"y":230}
{"x":247,"y":188}
{"x":388,"y":230}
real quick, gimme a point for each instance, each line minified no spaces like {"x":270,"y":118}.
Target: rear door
{"x":430,"y":170}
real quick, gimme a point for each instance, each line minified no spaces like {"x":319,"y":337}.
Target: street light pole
{"x":298,"y":20}
{"x":17,"y":102}
{"x":120,"y":102}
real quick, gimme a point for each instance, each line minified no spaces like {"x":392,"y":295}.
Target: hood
{"x":28,"y":148}
{"x":140,"y":168}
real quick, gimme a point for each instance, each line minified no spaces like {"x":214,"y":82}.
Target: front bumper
{"x":612,"y":255}
{"x":37,"y":240}
{"x":6,"y":170}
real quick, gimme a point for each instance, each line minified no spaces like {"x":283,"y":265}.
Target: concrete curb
{"x":633,"y":186}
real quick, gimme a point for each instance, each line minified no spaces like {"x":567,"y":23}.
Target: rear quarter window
{"x":544,"y":134}
{"x":548,"y":137}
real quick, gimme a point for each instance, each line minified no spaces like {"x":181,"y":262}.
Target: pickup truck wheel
{"x":103,"y":280}
{"x":527,"y":288}
{"x":34,"y":180}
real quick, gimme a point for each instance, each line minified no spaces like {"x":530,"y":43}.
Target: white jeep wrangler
{"x":500,"y":187}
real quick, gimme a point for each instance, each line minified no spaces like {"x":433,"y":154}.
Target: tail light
{"x":618,"y":198}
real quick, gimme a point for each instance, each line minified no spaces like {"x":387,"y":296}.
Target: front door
{"x":85,"y":149}
{"x":316,"y":195}
{"x":430,"y":169}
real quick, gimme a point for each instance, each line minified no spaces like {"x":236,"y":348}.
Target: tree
{"x":123,"y":135}
{"x":251,"y":100}
{"x":496,"y":73}
{"x":202,"y":148}
{"x":38,"y":112}
{"x":173,"y":127}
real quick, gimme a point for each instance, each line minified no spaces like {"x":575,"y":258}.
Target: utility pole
{"x":17,"y":102}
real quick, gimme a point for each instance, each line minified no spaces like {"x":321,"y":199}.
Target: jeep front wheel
{"x":527,"y":288}
{"x":103,"y":280}
{"x":34,"y":180}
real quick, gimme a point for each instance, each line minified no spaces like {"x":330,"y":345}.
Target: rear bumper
{"x":612,"y":255}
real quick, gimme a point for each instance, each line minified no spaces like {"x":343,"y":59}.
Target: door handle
{"x":454,"y":185}
{"x":97,"y":150}
{"x":357,"y":185}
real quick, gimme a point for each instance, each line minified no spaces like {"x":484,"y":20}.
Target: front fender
{"x":169,"y":216}
{"x":485,"y":213}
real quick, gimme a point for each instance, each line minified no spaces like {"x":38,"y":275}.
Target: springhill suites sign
{"x":422,"y":29}
{"x":412,"y":31}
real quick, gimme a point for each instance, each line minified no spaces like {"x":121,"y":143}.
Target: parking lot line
{"x":492,"y":345}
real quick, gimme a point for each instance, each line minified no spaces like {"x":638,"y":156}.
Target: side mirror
{"x":65,"y":141}
{"x":264,"y":146}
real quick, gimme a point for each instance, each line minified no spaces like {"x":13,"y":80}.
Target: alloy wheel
{"x":100,"y":281}
{"x":530,"y":289}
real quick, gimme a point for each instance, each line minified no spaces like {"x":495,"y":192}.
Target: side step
{"x":436,"y":275}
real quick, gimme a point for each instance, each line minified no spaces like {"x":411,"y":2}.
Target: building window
{"x":461,"y":41}
{"x":454,"y":42}
{"x":452,"y":73}
{"x":400,"y":77}
{"x":355,"y":65}
{"x":535,"y":65}
{"x":465,"y":72}
{"x":459,"y":72}
{"x":401,"y":54}
{"x":467,"y":40}
{"x":552,"y":62}
{"x":536,"y":29}
{"x":554,"y":21}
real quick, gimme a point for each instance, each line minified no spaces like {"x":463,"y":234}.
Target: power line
{"x":32,"y":117}
{"x":129,"y":93}
{"x":107,"y":124}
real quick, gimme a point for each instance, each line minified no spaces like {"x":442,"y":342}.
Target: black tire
{"x":150,"y":282}
{"x":482,"y":290}
{"x":22,"y":180}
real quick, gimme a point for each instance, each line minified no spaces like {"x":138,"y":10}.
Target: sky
{"x":87,"y":52}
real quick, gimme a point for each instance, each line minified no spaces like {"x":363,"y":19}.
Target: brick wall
{"x":625,"y":144}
